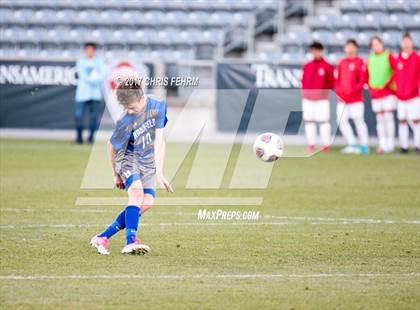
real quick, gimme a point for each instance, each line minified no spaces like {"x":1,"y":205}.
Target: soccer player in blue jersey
{"x":136,"y":151}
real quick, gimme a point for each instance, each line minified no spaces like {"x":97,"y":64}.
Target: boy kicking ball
{"x":136,"y":151}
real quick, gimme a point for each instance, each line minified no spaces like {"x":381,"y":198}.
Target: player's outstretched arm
{"x":159,"y":159}
{"x":111,"y":155}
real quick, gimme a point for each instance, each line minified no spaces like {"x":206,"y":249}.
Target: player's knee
{"x":136,"y":194}
{"x":147,"y":203}
{"x":416,"y":121}
{"x":403,"y":121}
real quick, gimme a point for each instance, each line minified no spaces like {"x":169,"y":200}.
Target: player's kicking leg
{"x":132,"y":218}
{"x":101,"y":241}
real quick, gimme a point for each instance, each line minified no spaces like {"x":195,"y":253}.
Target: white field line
{"x":200,"y":223}
{"x":291,"y":219}
{"x":343,"y":220}
{"x":148,"y":224}
{"x":79,"y":210}
{"x":209,"y":276}
{"x":175,"y":201}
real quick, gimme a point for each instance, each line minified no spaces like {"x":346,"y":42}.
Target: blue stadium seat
{"x":216,"y":19}
{"x":392,"y":38}
{"x":369,"y":21}
{"x":175,"y":17}
{"x":391,"y":22}
{"x":117,"y":37}
{"x":410,"y":21}
{"x":208,"y":37}
{"x":51,"y":36}
{"x":351,"y":6}
{"x":131,"y":17}
{"x":323,"y":36}
{"x":184,"y":37}
{"x":346,"y":21}
{"x":375,"y":5}
{"x":139,"y":36}
{"x":21,"y":16}
{"x":6,"y":15}
{"x":63,"y":16}
{"x":94,"y":36}
{"x":294,"y":56}
{"x":109,"y":17}
{"x":9,"y":35}
{"x":323,"y":21}
{"x":221,"y":5}
{"x":339,"y":38}
{"x":415,"y":6}
{"x":86,"y":17}
{"x":244,"y":5}
{"x":296,"y":38}
{"x":240,"y":18}
{"x":44,"y":16}
{"x":398,"y":6}
{"x":416,"y":37}
{"x":197,"y":18}
{"x":152,"y":18}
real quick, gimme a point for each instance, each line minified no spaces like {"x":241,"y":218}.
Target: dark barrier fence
{"x":41,"y":94}
{"x":37,"y":94}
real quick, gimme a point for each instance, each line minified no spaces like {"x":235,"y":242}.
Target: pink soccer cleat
{"x":310,"y":148}
{"x":136,"y":248}
{"x":101,"y":244}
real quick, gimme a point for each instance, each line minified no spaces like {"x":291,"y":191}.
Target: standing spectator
{"x":407,"y":80}
{"x":90,"y":72}
{"x":350,"y":77}
{"x":381,"y":91}
{"x":317,"y":80}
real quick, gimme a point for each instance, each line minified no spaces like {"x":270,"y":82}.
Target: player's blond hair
{"x":129,"y":90}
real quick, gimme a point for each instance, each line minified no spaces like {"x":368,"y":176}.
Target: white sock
{"x":325,"y":133}
{"x":416,"y":134}
{"x":403,"y":135}
{"x":347,"y":131}
{"x":310,"y":132}
{"x":380,"y":130}
{"x":362,"y":131}
{"x":389,"y":125}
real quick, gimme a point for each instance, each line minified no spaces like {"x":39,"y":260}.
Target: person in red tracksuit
{"x":406,"y":77}
{"x":317,"y":80}
{"x":350,"y":78}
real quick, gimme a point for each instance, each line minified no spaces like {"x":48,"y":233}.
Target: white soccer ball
{"x":268,"y":147}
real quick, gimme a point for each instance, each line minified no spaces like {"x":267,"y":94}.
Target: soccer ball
{"x":268,"y":147}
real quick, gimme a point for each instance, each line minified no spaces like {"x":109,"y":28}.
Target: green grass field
{"x":335,"y":232}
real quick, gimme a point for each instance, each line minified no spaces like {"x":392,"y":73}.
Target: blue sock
{"x":116,"y":226}
{"x":132,"y":217}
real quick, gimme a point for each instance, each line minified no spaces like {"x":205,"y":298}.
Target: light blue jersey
{"x":135,"y":134}
{"x":90,"y":74}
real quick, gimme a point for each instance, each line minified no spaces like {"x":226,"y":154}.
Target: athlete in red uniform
{"x":317,"y":80}
{"x":406,"y":76}
{"x":350,"y":78}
